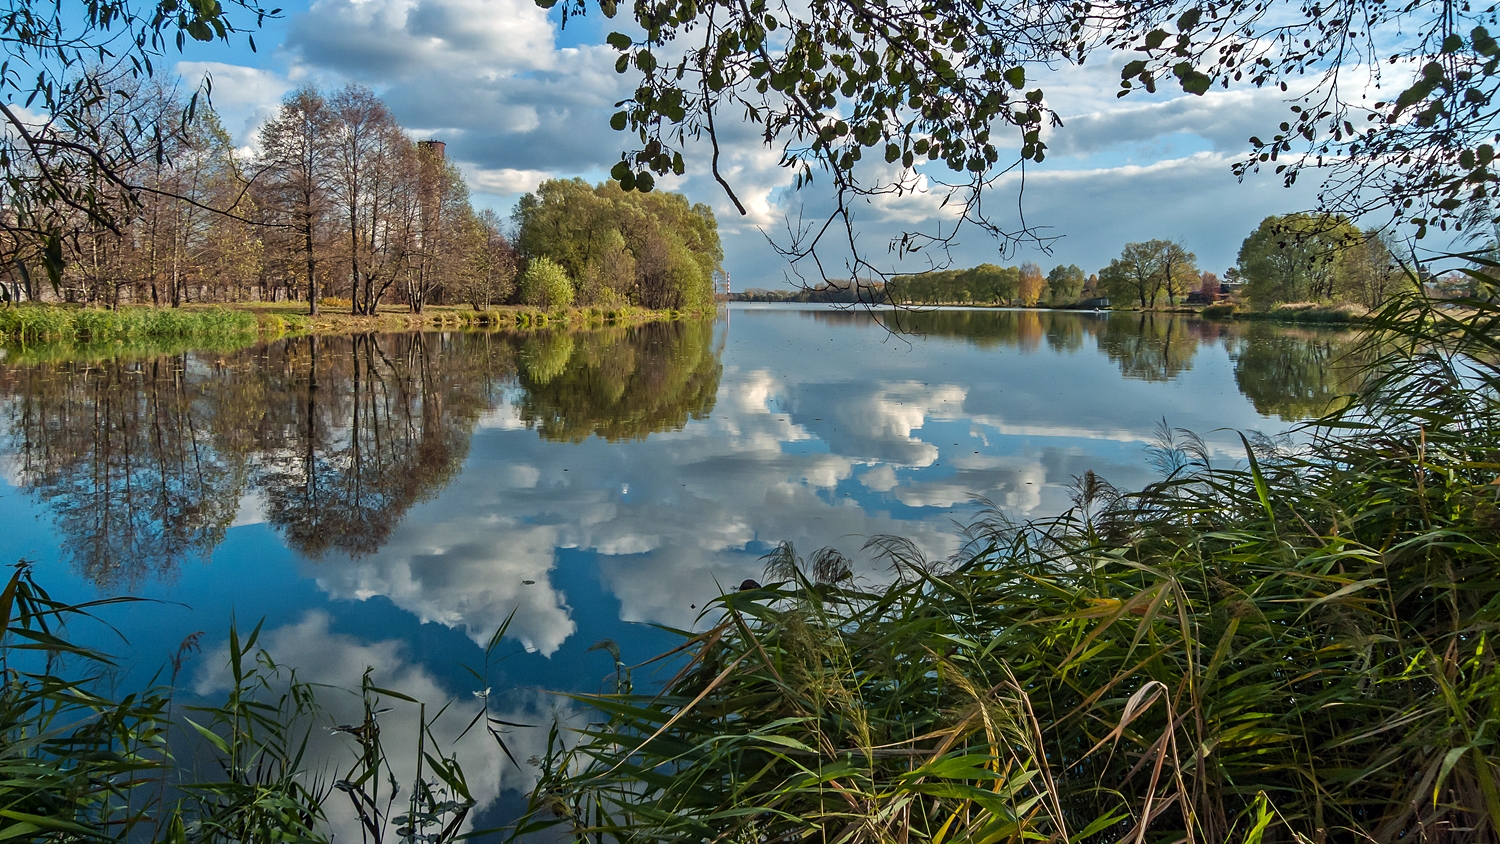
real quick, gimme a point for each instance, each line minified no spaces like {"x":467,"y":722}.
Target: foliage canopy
{"x":947,"y":92}
{"x":653,"y":249}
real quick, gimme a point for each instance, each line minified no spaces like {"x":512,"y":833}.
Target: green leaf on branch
{"x":1484,"y":44}
{"x":1192,"y":81}
{"x":1016,"y":77}
{"x":618,"y":40}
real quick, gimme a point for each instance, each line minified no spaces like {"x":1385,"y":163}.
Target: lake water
{"x":388,"y":501}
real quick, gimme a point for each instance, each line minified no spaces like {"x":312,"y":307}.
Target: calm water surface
{"x":388,"y":501}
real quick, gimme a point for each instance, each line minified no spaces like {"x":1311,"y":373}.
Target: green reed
{"x":1293,"y":647}
{"x":78,"y":764}
{"x":34,"y":323}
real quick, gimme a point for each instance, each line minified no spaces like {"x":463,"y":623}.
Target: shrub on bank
{"x":546,"y":285}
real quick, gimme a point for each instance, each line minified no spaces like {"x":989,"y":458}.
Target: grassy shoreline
{"x":247,"y":322}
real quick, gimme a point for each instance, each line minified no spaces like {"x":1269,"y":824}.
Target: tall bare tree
{"x":298,"y":165}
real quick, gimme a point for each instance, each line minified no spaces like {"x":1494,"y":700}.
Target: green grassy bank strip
{"x":42,"y":323}
{"x":94,"y":331}
{"x":1292,"y":647}
{"x":56,"y":351}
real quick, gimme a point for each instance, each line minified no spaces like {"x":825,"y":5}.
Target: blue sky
{"x":518,"y":100}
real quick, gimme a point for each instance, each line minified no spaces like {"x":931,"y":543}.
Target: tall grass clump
{"x":1309,"y":312}
{"x":81,"y":763}
{"x":42,"y":323}
{"x":1294,"y":647}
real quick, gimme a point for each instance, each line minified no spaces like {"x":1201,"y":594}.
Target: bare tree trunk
{"x":312,"y":270}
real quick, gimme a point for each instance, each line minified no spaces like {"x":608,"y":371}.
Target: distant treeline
{"x":836,"y":291}
{"x":1294,"y":258}
{"x":985,"y":284}
{"x":339,"y":207}
{"x":1313,"y":258}
{"x":988,"y":284}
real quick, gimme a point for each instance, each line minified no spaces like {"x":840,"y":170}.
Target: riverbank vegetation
{"x":96,"y":325}
{"x":36,"y":327}
{"x":82,"y":764}
{"x":341,"y":204}
{"x":1293,"y":647}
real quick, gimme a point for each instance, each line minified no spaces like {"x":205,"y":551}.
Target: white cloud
{"x":244,"y":97}
{"x":484,"y":75}
{"x":251,"y":510}
{"x":504,"y":181}
{"x":470,"y":572}
{"x":1014,"y":481}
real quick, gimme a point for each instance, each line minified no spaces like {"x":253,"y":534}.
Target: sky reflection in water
{"x":390,"y":500}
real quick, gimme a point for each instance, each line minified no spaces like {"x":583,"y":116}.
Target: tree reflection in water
{"x":619,"y":384}
{"x":1292,"y":373}
{"x":371,"y":425}
{"x":125,"y":455}
{"x":145,"y":463}
{"x":1155,"y":347}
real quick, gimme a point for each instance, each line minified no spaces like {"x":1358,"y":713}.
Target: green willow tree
{"x":655,"y":250}
{"x":1138,"y":274}
{"x":1065,"y":284}
{"x":1319,"y":258}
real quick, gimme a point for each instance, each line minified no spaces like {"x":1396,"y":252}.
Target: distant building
{"x":1198,"y":297}
{"x":1097,"y":304}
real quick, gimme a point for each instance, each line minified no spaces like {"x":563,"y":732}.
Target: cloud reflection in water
{"x":448,"y":473}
